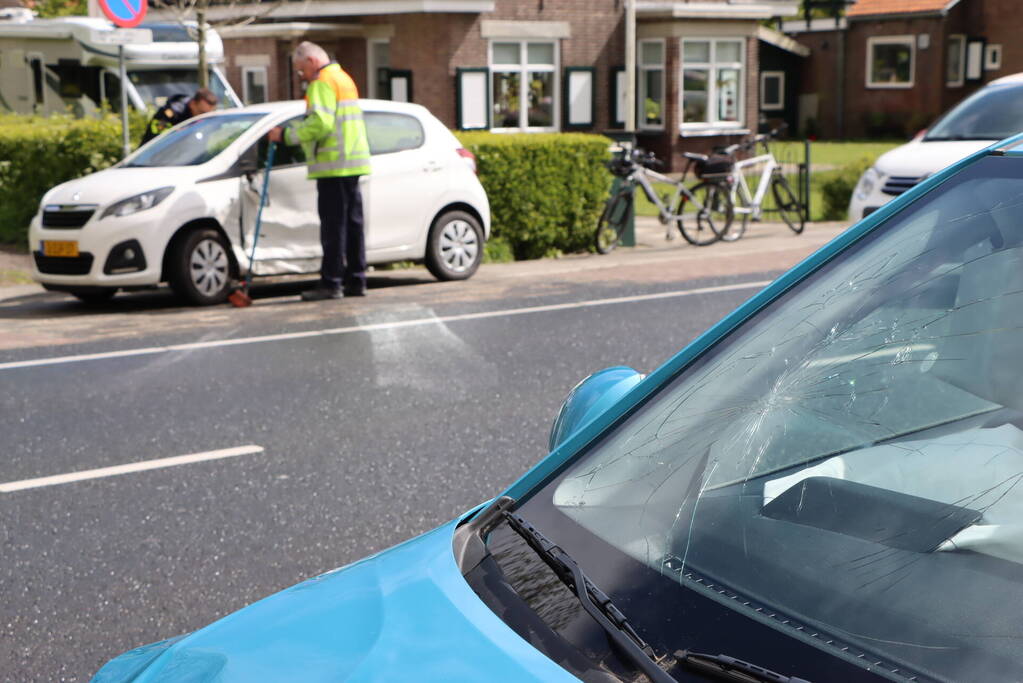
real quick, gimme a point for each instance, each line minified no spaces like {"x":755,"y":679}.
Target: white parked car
{"x":992,"y":113}
{"x":182,"y":209}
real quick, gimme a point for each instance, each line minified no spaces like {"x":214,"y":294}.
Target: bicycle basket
{"x":715,"y":165}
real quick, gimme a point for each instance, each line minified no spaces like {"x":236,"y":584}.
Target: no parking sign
{"x":124,"y":13}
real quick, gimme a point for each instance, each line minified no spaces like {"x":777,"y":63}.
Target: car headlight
{"x":868,"y":181}
{"x":139,"y":202}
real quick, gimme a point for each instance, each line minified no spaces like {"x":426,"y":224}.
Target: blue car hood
{"x":404,"y":614}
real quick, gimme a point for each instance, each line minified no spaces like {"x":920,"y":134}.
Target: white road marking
{"x":126,"y":469}
{"x":287,"y":336}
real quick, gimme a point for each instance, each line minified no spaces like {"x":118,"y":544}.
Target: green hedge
{"x":837,"y":187}
{"x":546,"y":190}
{"x":37,"y":153}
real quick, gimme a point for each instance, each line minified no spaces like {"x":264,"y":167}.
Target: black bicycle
{"x":702,"y":213}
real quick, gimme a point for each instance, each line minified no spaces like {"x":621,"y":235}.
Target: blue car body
{"x":409,"y":609}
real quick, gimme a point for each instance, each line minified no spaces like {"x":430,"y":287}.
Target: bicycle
{"x":709,"y":200}
{"x":750,"y":206}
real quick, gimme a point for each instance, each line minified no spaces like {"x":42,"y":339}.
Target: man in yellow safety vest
{"x":333,"y":137}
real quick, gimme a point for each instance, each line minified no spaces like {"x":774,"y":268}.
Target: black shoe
{"x":355,"y":290}
{"x":321,"y":294}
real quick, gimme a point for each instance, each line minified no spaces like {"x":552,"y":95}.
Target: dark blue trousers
{"x":342,"y":233}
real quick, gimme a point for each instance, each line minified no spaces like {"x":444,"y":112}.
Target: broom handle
{"x":259,"y":212}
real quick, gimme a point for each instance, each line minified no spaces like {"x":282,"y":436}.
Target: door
{"x":408,"y":176}
{"x":15,"y":89}
{"x":289,"y":239}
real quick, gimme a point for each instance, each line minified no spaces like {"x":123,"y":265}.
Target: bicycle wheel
{"x":707,"y":218}
{"x":788,"y":206}
{"x":740,"y":219}
{"x":616,"y":216}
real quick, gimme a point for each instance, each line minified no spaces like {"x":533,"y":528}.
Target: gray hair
{"x":306,"y":50}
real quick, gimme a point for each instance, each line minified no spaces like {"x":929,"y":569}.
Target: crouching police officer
{"x":179,"y":108}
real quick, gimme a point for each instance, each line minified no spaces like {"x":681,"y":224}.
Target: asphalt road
{"x":371,"y":420}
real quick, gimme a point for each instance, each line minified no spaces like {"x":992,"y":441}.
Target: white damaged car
{"x":182,"y":209}
{"x":992,"y":113}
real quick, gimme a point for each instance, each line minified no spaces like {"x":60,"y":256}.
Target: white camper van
{"x":56,"y":65}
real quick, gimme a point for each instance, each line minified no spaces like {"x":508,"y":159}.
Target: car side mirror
{"x":590,"y":398}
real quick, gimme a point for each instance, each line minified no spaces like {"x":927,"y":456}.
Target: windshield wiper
{"x":470,"y":549}
{"x":960,"y":138}
{"x":731,"y":669}
{"x":594,"y":601}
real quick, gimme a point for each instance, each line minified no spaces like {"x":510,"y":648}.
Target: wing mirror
{"x":590,"y":398}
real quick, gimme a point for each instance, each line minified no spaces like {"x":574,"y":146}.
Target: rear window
{"x":389,"y":132}
{"x":989,"y":114}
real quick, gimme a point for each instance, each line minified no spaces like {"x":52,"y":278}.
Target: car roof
{"x":298,"y":105}
{"x":1011,"y":78}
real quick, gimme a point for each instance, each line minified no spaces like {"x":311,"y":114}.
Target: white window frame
{"x":961,"y":76}
{"x":908,"y":41}
{"x":992,"y":57}
{"x":772,"y":106}
{"x":246,"y":70}
{"x":522,"y":69}
{"x":712,"y":94}
{"x":641,"y":90}
{"x":371,"y":66}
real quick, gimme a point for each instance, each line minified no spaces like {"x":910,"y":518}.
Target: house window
{"x":890,"y":61}
{"x":254,"y":84}
{"x":523,"y":84}
{"x":974,"y":60}
{"x":992,"y":57}
{"x":955,"y":64}
{"x":650,"y":102}
{"x":712,"y":78}
{"x":772,"y":90}
{"x":379,"y":62}
{"x":472,"y":96}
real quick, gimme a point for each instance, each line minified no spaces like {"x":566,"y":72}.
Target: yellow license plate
{"x":67,"y":248}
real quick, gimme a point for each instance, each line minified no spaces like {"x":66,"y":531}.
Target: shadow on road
{"x":163,"y":300}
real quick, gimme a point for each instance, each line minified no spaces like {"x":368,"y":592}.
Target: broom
{"x":240,"y":298}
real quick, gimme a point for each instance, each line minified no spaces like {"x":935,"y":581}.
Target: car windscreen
{"x":993,"y":113}
{"x":193,"y":142}
{"x":156,"y":86}
{"x":846,"y":467}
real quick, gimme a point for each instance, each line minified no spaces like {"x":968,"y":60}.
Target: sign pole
{"x":124,"y":100}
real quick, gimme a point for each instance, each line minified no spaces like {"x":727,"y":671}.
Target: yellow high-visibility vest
{"x":333,"y":132}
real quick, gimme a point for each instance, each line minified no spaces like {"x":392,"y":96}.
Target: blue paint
{"x":404,"y":614}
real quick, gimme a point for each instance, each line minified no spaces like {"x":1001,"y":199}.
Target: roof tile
{"x":875,"y":7}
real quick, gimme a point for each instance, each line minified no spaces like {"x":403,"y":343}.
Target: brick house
{"x":528,"y":65}
{"x":892,"y":66}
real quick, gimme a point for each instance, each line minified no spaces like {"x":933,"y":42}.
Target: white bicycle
{"x":749,"y":205}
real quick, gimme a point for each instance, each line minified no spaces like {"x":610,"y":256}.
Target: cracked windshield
{"x":853,"y":453}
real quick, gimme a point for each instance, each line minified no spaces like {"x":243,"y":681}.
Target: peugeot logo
{"x":76,"y":196}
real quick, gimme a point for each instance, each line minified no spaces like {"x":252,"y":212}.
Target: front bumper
{"x":132,"y":236}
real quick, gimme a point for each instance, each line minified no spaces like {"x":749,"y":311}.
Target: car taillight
{"x":469,"y":157}
{"x":920,"y":134}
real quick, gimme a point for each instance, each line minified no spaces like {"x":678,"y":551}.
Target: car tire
{"x":200,"y":267}
{"x":454,"y":249}
{"x":94,"y":296}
